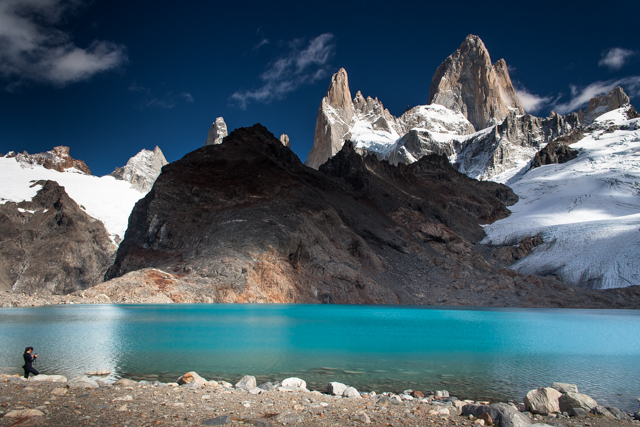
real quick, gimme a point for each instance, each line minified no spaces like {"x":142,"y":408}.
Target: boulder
{"x":572,"y":400}
{"x":601,"y":411}
{"x":618,"y":413}
{"x":191,"y":377}
{"x":247,"y":382}
{"x":543,"y":400}
{"x":82,"y":382}
{"x":636,"y":416}
{"x":125,"y":382}
{"x":442,"y":394}
{"x":565,"y":388}
{"x":294,"y":383}
{"x":351,"y":393}
{"x":49,"y":378}
{"x":336,"y":388}
{"x":502,"y":414}
{"x":212,"y":383}
{"x":578,"y":413}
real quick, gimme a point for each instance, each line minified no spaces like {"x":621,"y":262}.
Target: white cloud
{"x":33,"y":48}
{"x":615,"y":58}
{"x":530,"y":102}
{"x":581,"y":97}
{"x":287,"y":73}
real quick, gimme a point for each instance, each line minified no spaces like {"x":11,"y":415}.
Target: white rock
{"x":24,"y":413}
{"x":336,"y":388}
{"x":247,"y":382}
{"x":294,"y":383}
{"x":351,"y":393}
{"x":544,"y":401}
{"x":101,"y":372}
{"x":49,"y":378}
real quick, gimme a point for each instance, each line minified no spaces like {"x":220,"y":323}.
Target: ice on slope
{"x":105,"y":198}
{"x":586,"y":210}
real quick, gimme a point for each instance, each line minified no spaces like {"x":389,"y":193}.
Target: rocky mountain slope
{"x":245,"y":221}
{"x":58,"y":159}
{"x":50,"y":245}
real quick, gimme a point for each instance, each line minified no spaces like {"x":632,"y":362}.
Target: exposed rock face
{"x":50,"y":245}
{"x":467,"y":82}
{"x":510,"y":144}
{"x":284,"y":138}
{"x":558,"y":150}
{"x":599,"y":105}
{"x":142,"y":169}
{"x":543,"y":400}
{"x":245,"y":221}
{"x":217,"y":132}
{"x":333,"y":121}
{"x":56,"y":159}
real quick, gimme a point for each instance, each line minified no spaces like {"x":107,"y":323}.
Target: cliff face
{"x":467,"y":82}
{"x":50,"y":245}
{"x":245,"y":221}
{"x":334,"y":119}
{"x":57,"y":159}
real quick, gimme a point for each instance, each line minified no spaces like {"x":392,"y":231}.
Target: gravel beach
{"x":87,"y":402}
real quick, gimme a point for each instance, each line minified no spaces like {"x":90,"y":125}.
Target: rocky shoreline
{"x":91,"y":401}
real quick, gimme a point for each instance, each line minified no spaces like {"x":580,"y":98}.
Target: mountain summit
{"x":467,"y":82}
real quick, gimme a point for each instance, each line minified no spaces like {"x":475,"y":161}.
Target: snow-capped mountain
{"x":587,"y":211}
{"x":106,"y":198}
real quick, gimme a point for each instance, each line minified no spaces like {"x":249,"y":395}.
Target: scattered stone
{"x":565,"y":388}
{"x":99,"y":373}
{"x":269,"y":386}
{"x":618,"y":413}
{"x":256,"y":390}
{"x":351,"y":393}
{"x":24,"y":413}
{"x":125,"y":382}
{"x":59,"y":391}
{"x":543,"y":400}
{"x":289,"y":417}
{"x":361,"y":417}
{"x":82,"y":382}
{"x":336,"y":388}
{"x":294,"y":383}
{"x":212,"y":383}
{"x":442,"y":393}
{"x":417,"y":394}
{"x":247,"y":382}
{"x":191,"y":377}
{"x":636,"y":416}
{"x":572,"y":400}
{"x":192,"y":385}
{"x":479,"y":422}
{"x":486,"y":418}
{"x":502,"y":414}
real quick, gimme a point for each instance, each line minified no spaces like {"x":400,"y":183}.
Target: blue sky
{"x":108,"y":78}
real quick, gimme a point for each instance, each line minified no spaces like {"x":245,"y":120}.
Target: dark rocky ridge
{"x":558,"y":150}
{"x":56,"y":249}
{"x":246,"y":221}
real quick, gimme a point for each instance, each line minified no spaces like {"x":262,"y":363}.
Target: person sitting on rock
{"x":29,"y":359}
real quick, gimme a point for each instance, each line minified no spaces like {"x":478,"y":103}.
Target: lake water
{"x":493,"y":354}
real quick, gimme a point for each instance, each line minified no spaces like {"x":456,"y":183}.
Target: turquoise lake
{"x":493,"y":354}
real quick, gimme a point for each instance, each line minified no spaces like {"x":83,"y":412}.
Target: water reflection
{"x":477,"y":353}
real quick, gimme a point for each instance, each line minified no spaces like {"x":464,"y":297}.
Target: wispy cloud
{"x":167,"y":101}
{"x":530,"y":102}
{"x":615,"y":58}
{"x":34,"y":49}
{"x":581,"y":96}
{"x":299,"y":66}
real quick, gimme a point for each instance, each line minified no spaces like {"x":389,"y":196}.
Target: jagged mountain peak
{"x":467,"y":82}
{"x":142,"y":169}
{"x":217,"y":132}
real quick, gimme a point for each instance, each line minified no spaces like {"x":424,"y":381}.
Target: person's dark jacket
{"x":28,"y":359}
